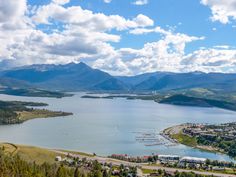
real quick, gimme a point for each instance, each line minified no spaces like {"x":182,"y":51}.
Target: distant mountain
{"x":166,"y":81}
{"x":13,"y":83}
{"x":69,"y":77}
{"x":135,"y":80}
{"x":81,"y":77}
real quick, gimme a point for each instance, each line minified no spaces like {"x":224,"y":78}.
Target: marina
{"x":154,"y":139}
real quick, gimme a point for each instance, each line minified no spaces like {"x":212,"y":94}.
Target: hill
{"x":201,"y":102}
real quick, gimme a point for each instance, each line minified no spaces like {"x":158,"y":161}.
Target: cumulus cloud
{"x":140,"y":2}
{"x":14,"y":26}
{"x":88,"y":19}
{"x":163,"y":55}
{"x":222,"y":11}
{"x":54,"y":33}
{"x":211,"y":60}
{"x":107,"y":1}
{"x":80,"y":34}
{"x":62,"y":2}
{"x":12,"y":10}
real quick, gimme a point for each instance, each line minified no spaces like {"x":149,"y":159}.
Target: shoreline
{"x":24,"y":116}
{"x":167,"y":99}
{"x":175,"y":132}
{"x":16,"y":112}
{"x":41,"y":114}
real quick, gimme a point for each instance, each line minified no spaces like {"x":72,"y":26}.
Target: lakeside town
{"x":210,"y":137}
{"x":217,"y":137}
{"x":125,"y":165}
{"x":225,"y":131}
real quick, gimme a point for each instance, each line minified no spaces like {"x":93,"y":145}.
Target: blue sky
{"x":159,"y":35}
{"x":184,"y":16}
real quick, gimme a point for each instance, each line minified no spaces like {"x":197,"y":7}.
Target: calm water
{"x":107,"y":126}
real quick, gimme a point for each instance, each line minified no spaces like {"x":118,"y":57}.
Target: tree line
{"x":229,"y":147}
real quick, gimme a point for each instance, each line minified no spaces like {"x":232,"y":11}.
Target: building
{"x":168,"y":158}
{"x":143,"y":159}
{"x":218,"y":168}
{"x":120,"y":156}
{"x":58,"y":158}
{"x":194,"y":160}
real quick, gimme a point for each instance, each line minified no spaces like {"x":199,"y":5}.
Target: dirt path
{"x":12,"y":148}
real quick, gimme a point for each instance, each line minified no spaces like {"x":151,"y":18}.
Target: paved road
{"x":172,"y":170}
{"x":141,"y":165}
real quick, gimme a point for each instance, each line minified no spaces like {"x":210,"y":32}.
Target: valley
{"x":121,"y":108}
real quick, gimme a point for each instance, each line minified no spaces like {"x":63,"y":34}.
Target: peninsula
{"x":14,"y":112}
{"x":215,"y":138}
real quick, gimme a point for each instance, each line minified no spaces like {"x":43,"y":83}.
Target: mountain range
{"x":81,"y":77}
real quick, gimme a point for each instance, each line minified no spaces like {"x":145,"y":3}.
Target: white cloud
{"x":163,"y":55}
{"x":88,"y":19}
{"x":143,"y":21}
{"x":107,"y":1}
{"x":222,"y":47}
{"x":14,"y":25}
{"x":211,"y":60}
{"x":223,"y":11}
{"x":82,"y":34}
{"x":75,"y":34}
{"x":62,"y":2}
{"x":12,"y":10}
{"x":179,"y":40}
{"x":168,"y":54}
{"x":140,"y":31}
{"x":140,"y":2}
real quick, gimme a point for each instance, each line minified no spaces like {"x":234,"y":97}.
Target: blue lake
{"x":107,"y":126}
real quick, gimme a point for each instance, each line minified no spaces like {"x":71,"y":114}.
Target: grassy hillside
{"x":30,"y":153}
{"x":27,"y":161}
{"x":33,"y":162}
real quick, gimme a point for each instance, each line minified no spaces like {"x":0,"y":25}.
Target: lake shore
{"x":73,"y":130}
{"x":15,"y":112}
{"x":171,"y":99}
{"x":40,"y":113}
{"x":176,"y":134}
{"x":29,"y":114}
